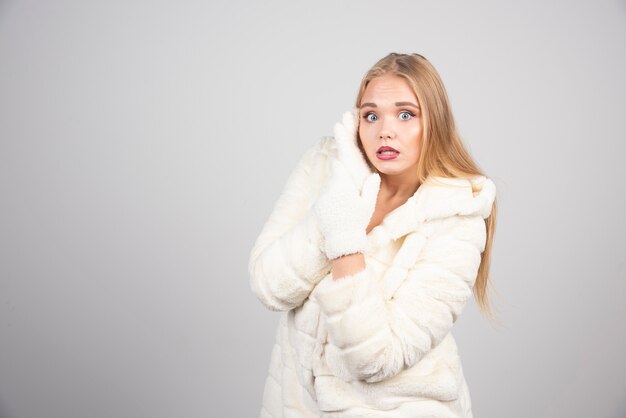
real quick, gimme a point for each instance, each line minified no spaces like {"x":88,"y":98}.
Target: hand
{"x":344,"y":210}
{"x":348,"y":151}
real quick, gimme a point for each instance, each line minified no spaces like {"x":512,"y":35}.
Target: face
{"x":390,"y":125}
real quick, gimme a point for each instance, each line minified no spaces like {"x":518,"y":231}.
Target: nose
{"x":386,"y":130}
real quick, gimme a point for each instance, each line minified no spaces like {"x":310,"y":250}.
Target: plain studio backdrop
{"x":143,"y":145}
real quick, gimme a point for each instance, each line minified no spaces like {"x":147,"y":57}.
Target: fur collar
{"x":441,"y":197}
{"x":437,"y":197}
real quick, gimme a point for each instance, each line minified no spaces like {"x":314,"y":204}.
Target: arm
{"x":287,"y":260}
{"x":371,"y":338}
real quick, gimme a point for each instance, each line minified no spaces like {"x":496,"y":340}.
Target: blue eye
{"x":404,"y":115}
{"x":370,"y":117}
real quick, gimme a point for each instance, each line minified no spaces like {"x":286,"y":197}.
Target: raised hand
{"x":348,"y":151}
{"x":344,"y":210}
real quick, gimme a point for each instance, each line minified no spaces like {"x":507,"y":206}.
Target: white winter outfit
{"x":376,"y":343}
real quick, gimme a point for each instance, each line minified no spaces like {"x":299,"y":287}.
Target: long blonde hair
{"x":443,"y":153}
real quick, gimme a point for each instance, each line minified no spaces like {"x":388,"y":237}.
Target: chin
{"x":391,"y":169}
{"x":382,"y":166}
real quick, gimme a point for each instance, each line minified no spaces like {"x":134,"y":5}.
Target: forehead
{"x":388,"y":88}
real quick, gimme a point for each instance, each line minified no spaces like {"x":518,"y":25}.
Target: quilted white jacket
{"x":378,"y":343}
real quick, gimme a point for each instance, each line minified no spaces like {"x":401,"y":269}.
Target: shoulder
{"x":456,"y":208}
{"x":441,"y":197}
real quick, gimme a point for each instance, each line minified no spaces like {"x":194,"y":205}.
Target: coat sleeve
{"x":287,"y":259}
{"x":371,"y":338}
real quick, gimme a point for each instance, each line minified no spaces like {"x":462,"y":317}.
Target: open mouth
{"x":387,"y":151}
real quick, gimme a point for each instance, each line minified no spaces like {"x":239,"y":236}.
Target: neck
{"x":399,"y":186}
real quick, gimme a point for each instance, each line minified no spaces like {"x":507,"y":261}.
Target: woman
{"x":377,"y":242}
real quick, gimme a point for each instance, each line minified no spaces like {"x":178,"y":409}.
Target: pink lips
{"x":387,"y":153}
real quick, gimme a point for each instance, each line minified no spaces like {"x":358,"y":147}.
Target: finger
{"x":345,"y":136}
{"x":349,"y":121}
{"x":348,"y":151}
{"x":340,"y":134}
{"x":355,"y":116}
{"x":345,"y":143}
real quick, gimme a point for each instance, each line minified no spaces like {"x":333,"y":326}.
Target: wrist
{"x":347,"y":265}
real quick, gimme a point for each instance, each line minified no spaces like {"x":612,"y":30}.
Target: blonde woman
{"x":379,"y":239}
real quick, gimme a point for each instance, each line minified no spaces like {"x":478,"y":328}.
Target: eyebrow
{"x":368,"y":104}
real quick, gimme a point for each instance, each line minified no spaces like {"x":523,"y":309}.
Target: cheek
{"x":414,"y":141}
{"x":415,"y":130}
{"x":415,"y":134}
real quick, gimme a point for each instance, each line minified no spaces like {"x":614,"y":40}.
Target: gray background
{"x":142,"y":145}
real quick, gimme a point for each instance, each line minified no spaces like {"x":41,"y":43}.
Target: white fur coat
{"x":378,"y":343}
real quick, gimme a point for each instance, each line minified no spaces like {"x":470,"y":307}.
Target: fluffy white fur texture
{"x":378,"y":343}
{"x":343,"y":212}
{"x":348,"y":152}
